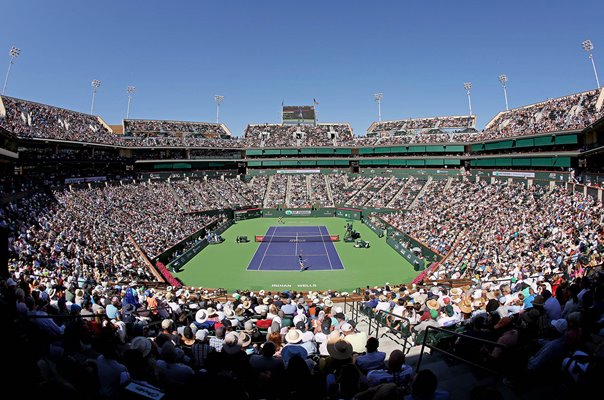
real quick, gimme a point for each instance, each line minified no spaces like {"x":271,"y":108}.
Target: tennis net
{"x":298,"y":238}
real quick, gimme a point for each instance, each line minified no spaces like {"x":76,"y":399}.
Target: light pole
{"x":131,"y":90}
{"x":13,"y":53}
{"x":218,"y":99}
{"x":378,"y":99}
{"x":468,"y":87}
{"x":588,"y":47}
{"x":95,"y":85}
{"x":503,"y":79}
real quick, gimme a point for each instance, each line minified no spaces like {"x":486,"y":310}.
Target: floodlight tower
{"x":218,"y":99}
{"x":378,"y":99}
{"x":588,"y":47}
{"x":95,"y":85}
{"x":130,"y":90}
{"x":503,"y":79}
{"x":13,"y":53}
{"x":468,"y":87}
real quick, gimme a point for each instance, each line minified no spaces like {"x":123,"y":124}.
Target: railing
{"x":448,"y":332}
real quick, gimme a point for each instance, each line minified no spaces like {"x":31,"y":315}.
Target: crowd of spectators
{"x":352,"y":187}
{"x":370,"y":191}
{"x":28,"y":119}
{"x":320,"y":194}
{"x":276,"y":193}
{"x":387,"y":194}
{"x":423,"y":124}
{"x":554,"y":115}
{"x":140,"y":127}
{"x":64,"y":239}
{"x":32,"y":120}
{"x":544,"y":326}
{"x":531,"y":253}
{"x":298,"y":193}
{"x":405,"y":196}
{"x":338,"y":184}
{"x":433,"y":220}
{"x":275,"y":135}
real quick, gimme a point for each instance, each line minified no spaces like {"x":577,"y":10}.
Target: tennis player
{"x":280,"y":219}
{"x":301,"y":262}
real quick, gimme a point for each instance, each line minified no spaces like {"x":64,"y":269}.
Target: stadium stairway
{"x":408,"y":182}
{"x":456,"y":377}
{"x":351,"y":199}
{"x":288,"y":191}
{"x":421,"y":193}
{"x":328,"y":185}
{"x":269,"y":187}
{"x":449,"y":183}
{"x":388,"y":183}
{"x":309,"y":188}
{"x":218,"y":195}
{"x":177,"y":197}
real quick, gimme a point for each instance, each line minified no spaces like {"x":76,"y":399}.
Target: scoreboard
{"x":298,"y":115}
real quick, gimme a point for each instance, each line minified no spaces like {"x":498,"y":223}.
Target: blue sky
{"x":258,"y":53}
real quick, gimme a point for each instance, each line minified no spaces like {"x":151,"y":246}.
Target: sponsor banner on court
{"x":513,"y":174}
{"x":298,"y":212}
{"x":374,"y":228}
{"x":418,"y":264}
{"x":298,"y":171}
{"x":69,"y":181}
{"x":247,"y":214}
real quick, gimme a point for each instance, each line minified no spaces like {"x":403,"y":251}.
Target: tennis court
{"x":282,"y":246}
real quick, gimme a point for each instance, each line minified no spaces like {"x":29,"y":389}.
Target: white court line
{"x":326,"y":252}
{"x":296,"y":249}
{"x":264,"y":255}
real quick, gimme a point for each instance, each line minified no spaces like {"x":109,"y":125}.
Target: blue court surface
{"x":283,"y":245}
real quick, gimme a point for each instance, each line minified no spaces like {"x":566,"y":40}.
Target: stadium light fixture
{"x":13,"y":53}
{"x":95,"y":85}
{"x":218,"y":99}
{"x":588,"y":47}
{"x":503,"y":79}
{"x":468,"y":87}
{"x":378,"y":99}
{"x":130,"y":90}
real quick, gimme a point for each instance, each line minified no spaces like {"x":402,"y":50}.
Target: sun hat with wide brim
{"x":293,"y":336}
{"x":244,"y":339}
{"x":340,"y":350}
{"x":201,"y":316}
{"x":432,"y":304}
{"x":229,"y":313}
{"x":231,"y":343}
{"x":142,"y":344}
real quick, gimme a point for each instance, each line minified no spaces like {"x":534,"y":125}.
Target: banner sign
{"x":298,"y":171}
{"x":418,"y":264}
{"x":247,"y":214}
{"x":85,"y":179}
{"x":298,"y":212}
{"x":513,"y":174}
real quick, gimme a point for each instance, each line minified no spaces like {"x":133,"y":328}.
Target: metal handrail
{"x":456,"y":357}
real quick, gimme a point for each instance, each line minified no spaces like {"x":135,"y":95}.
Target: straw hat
{"x":229,"y":312}
{"x":293,"y":336}
{"x":465,"y":305}
{"x":244,"y":339}
{"x":432,"y":304}
{"x":201,"y":316}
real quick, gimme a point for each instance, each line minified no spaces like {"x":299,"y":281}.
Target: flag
{"x":282,"y":103}
{"x":316,"y":103}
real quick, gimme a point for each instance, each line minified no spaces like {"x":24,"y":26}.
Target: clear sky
{"x":179,"y":54}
